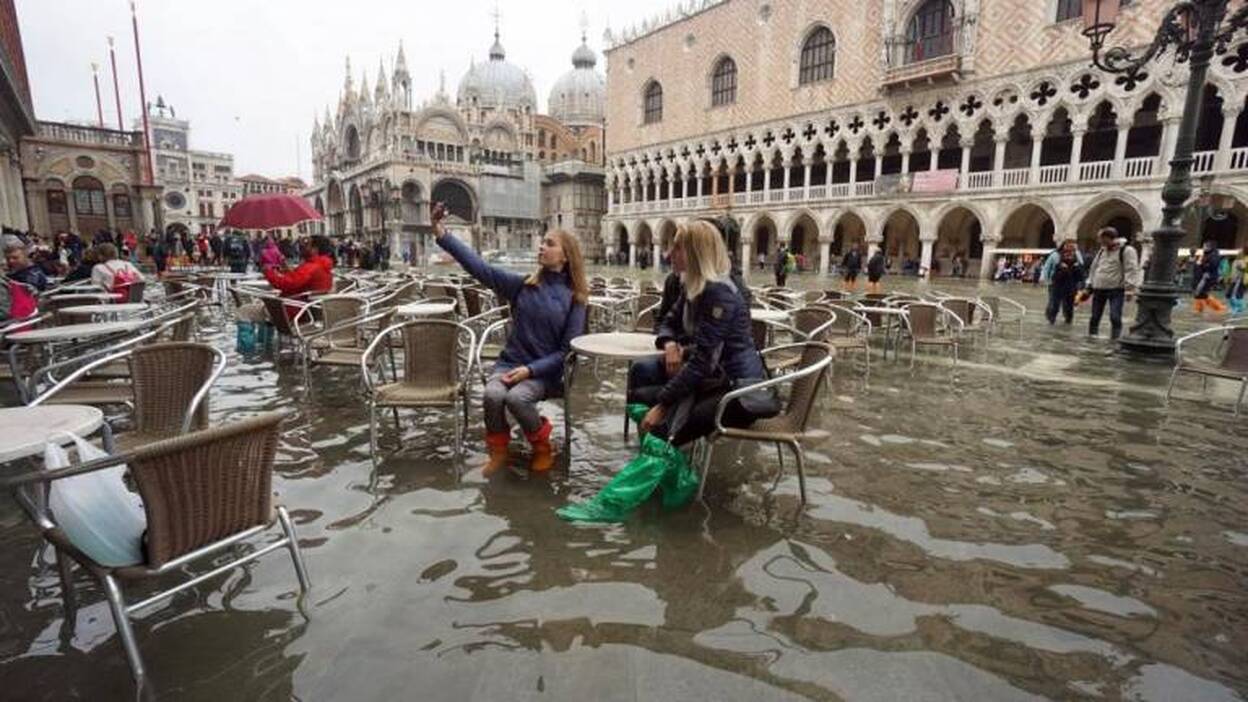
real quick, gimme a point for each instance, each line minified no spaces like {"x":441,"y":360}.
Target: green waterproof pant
{"x":659,"y":465}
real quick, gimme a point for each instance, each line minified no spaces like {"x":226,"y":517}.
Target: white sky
{"x":250,"y":74}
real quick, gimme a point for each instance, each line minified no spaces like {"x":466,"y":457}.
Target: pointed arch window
{"x":724,"y":82}
{"x":818,"y":60}
{"x":931,"y":31}
{"x":653,"y":103}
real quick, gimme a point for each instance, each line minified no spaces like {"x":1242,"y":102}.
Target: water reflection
{"x":1032,"y":524}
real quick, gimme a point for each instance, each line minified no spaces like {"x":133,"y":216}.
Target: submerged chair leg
{"x":708,"y":449}
{"x":1174,"y":375}
{"x":1243,"y":390}
{"x":372,"y":426}
{"x":296,"y":555}
{"x":117,"y":605}
{"x":69,"y":599}
{"x":801,"y":469}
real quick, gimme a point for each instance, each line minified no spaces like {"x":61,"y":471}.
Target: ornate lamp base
{"x":1151,"y":334}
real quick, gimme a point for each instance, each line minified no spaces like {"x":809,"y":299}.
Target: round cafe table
{"x":611,"y":346}
{"x":25,"y":430}
{"x":426,"y":309}
{"x":86,"y":298}
{"x":766,"y":315}
{"x":72,"y":332}
{"x":116,"y":311}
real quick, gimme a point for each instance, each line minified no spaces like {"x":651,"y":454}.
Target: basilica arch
{"x":804,"y":236}
{"x":1119,"y":211}
{"x":459,"y":198}
{"x":901,"y":236}
{"x":958,"y":233}
{"x":848,"y":230}
{"x":1031,"y":225}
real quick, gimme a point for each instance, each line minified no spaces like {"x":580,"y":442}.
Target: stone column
{"x":1120,"y":152}
{"x":671,"y":188}
{"x":925,"y":257}
{"x":1076,"y":152}
{"x":873,"y":243}
{"x":610,"y":199}
{"x":966,"y":145}
{"x":747,"y":246}
{"x":654,"y":255}
{"x":806,"y":184}
{"x":632,"y":250}
{"x":701,"y":185}
{"x":998,"y":157}
{"x":749,"y":181}
{"x":988,"y":262}
{"x":853,"y":175}
{"x":905,"y":161}
{"x":825,"y":255}
{"x":1169,"y":138}
{"x":767,"y":183}
{"x":879,"y":165}
{"x":1222,"y":161}
{"x":1037,"y":144}
{"x":788,"y":174}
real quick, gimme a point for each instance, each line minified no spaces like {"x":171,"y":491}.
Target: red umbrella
{"x":276,"y":211}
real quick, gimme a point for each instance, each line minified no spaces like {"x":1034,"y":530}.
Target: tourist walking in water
{"x":851,"y":266}
{"x":547,"y":312}
{"x":1064,"y":271}
{"x":1208,"y":272}
{"x":1236,"y":288}
{"x":1113,"y":275}
{"x":781,"y":266}
{"x":875,"y":271}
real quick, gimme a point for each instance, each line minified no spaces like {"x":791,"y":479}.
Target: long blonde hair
{"x":574,"y":267}
{"x":706,"y":258}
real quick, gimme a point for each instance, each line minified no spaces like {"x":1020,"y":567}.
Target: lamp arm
{"x":1118,"y":59}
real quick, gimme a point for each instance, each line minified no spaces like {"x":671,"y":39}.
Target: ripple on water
{"x":1101,"y":601}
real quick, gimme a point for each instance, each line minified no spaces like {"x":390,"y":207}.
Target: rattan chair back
{"x":202,"y":487}
{"x":338,"y":310}
{"x":962,"y":307}
{"x":805,"y":390}
{"x":807,"y":319}
{"x":431,"y":353}
{"x":923,"y":318}
{"x":472,"y":301}
{"x":166,"y":379}
{"x":1235,"y":353}
{"x":277,"y":315}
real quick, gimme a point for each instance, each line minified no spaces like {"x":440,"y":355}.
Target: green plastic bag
{"x":659,"y":465}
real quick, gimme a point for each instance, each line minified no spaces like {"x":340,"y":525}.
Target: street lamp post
{"x":1195,"y":30}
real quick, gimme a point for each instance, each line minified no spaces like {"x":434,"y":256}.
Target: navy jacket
{"x":544,"y":317}
{"x":674,"y":291}
{"x":721,"y":336}
{"x":33,"y":276}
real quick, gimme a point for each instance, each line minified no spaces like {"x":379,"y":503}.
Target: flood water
{"x":1032,"y":524}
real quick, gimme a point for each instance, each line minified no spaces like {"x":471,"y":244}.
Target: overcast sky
{"x":250,"y":74}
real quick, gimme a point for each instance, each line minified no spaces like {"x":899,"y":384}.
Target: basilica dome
{"x":497,"y":84}
{"x":579,"y":97}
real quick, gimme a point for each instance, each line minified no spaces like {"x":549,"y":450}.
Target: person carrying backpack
{"x":1113,"y":275}
{"x":1064,"y":271}
{"x":237,"y":252}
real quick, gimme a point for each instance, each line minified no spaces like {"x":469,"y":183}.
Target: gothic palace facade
{"x":929,"y":127}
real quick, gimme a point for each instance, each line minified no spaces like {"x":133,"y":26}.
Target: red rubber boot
{"x":543,"y":454}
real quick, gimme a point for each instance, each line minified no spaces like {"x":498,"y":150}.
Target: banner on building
{"x":935,"y":181}
{"x":892,"y":184}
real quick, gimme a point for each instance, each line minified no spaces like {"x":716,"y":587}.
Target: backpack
{"x":790,"y":263}
{"x":236,"y":248}
{"x":22,"y":302}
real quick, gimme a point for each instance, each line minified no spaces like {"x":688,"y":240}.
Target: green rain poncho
{"x":659,"y":465}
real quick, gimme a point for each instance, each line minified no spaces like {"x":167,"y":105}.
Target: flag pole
{"x":138,"y":56}
{"x":99,"y":106}
{"x":112,"y":57}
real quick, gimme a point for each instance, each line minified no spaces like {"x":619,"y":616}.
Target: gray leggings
{"x":520,"y":399}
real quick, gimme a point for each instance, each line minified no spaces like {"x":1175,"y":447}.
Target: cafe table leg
{"x":569,"y":374}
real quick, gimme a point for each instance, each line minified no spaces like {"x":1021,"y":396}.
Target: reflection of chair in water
{"x":437,"y":368}
{"x":1231,"y":360}
{"x":789,"y":427}
{"x":204,"y":493}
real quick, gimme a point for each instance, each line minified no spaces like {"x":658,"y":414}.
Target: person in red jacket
{"x":314,"y":275}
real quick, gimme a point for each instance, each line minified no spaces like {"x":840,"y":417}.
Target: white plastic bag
{"x":101,"y":517}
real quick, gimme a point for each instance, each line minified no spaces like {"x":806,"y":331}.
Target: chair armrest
{"x":77,"y":374}
{"x":48,"y":476}
{"x":1181,"y":341}
{"x":771,"y":382}
{"x":218,"y":368}
{"x":345,"y":325}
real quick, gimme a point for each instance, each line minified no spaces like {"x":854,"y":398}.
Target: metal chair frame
{"x":1179,"y":367}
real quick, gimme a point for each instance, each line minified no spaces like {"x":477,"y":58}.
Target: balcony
{"x":932,"y":59}
{"x":1008,"y":182}
{"x":95,"y":136}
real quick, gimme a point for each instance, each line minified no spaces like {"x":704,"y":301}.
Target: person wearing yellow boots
{"x":1207,"y":275}
{"x":547,"y":312}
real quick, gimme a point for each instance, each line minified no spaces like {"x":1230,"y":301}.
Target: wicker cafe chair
{"x":1230,"y":360}
{"x":204,"y":494}
{"x":999,"y":304}
{"x":345,"y":343}
{"x":646,"y":320}
{"x":928,"y":324}
{"x":975,"y":315}
{"x":850,"y":332}
{"x":809,"y":324}
{"x":490,"y":346}
{"x":282,"y":324}
{"x":437,"y":368}
{"x":789,"y":427}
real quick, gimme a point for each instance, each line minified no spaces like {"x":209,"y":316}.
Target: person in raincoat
{"x":721,"y":356}
{"x":1235,"y":290}
{"x":1208,"y":273}
{"x":1064,"y":271}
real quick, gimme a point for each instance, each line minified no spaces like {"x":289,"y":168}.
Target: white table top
{"x":122,"y":308}
{"x":765,"y":315}
{"x":425,"y":309}
{"x":237,"y":276}
{"x":69,"y":332}
{"x":86,"y":297}
{"x":619,"y":345}
{"x":25,"y":430}
{"x":896,"y":311}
